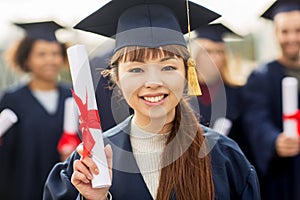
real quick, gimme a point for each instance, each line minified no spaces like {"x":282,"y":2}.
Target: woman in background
{"x":28,"y":149}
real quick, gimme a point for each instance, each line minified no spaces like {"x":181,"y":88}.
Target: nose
{"x":152,"y":84}
{"x":153,"y":80}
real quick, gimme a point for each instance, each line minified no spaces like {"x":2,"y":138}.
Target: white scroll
{"x":290,"y":105}
{"x":7,"y":119}
{"x":70,"y":117}
{"x":69,"y":139}
{"x":222,"y":125}
{"x":84,"y":89}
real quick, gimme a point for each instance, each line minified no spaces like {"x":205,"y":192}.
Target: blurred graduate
{"x":161,"y":151}
{"x":28,"y":150}
{"x":220,"y":99}
{"x":276,"y":154}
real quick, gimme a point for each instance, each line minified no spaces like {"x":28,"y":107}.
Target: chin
{"x":157,"y":113}
{"x":293,"y":57}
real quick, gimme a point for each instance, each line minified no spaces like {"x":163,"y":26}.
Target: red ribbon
{"x":68,"y":142}
{"x":296,"y":117}
{"x":87,"y":119}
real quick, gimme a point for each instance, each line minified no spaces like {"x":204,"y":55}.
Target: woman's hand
{"x":82,"y":176}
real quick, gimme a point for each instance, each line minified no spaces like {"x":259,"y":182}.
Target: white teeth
{"x":154,"y":99}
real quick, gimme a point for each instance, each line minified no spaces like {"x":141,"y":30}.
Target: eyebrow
{"x":167,"y":58}
{"x":161,"y":60}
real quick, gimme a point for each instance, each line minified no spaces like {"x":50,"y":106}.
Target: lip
{"x":154,"y":99}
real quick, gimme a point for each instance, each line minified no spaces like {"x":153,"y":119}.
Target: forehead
{"x":209,"y":44}
{"x":45,"y":46}
{"x":287,"y":19}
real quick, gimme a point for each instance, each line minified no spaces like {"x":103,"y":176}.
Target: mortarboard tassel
{"x":193,"y":84}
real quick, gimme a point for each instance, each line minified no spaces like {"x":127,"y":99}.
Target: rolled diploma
{"x":82,"y":83}
{"x":69,"y":140}
{"x":290,"y":105}
{"x":7,"y":119}
{"x":222,"y":125}
{"x":70,"y":117}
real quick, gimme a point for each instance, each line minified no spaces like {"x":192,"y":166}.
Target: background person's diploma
{"x":290,"y":106}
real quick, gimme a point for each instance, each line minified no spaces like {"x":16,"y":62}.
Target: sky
{"x":240,"y":15}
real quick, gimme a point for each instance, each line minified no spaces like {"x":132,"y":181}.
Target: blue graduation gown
{"x":279,"y":177}
{"x":233,"y":176}
{"x":28,"y":150}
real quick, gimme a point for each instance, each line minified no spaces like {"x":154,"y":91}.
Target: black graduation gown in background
{"x":232,"y":105}
{"x":112,"y":107}
{"x":233,"y":176}
{"x":222,"y":103}
{"x":28,"y":150}
{"x":279,"y":177}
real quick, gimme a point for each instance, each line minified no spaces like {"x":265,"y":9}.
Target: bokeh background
{"x":256,"y":46}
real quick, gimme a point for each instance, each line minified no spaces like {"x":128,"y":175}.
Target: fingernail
{"x":96,"y":171}
{"x":89,"y":176}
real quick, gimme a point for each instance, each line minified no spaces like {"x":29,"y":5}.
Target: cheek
{"x":33,"y":63}
{"x":175,"y":84}
{"x":59,"y":59}
{"x":129,"y":84}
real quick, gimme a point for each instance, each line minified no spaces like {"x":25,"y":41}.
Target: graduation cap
{"x":150,"y":23}
{"x":41,"y":30}
{"x":214,"y":32}
{"x":147,"y":23}
{"x":280,"y":6}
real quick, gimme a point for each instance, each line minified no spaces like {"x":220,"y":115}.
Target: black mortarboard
{"x":148,"y":23}
{"x":214,"y":32}
{"x":281,"y":6}
{"x":40,"y":30}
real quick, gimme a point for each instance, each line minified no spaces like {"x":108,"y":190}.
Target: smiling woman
{"x":161,"y":150}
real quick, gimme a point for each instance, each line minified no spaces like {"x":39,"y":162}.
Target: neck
{"x":37,"y":84}
{"x":291,"y":63}
{"x":156,"y":125}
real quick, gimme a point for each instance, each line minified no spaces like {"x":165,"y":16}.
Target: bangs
{"x":136,"y":53}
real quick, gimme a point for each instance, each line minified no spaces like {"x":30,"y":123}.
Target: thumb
{"x":109,"y":154}
{"x":79,"y":149}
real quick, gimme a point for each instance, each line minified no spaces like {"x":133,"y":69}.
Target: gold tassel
{"x":193,"y":84}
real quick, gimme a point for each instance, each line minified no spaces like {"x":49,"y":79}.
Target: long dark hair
{"x":184,"y":173}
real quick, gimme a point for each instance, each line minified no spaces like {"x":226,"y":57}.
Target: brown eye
{"x":136,"y":70}
{"x":168,"y":68}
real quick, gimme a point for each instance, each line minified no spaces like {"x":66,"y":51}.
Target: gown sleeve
{"x":58,"y":185}
{"x":8,"y":148}
{"x":252,"y":189}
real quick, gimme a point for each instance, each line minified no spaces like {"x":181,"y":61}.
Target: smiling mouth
{"x":154,"y":99}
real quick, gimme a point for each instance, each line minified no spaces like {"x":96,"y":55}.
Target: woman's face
{"x":45,"y":60}
{"x":152,"y":87}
